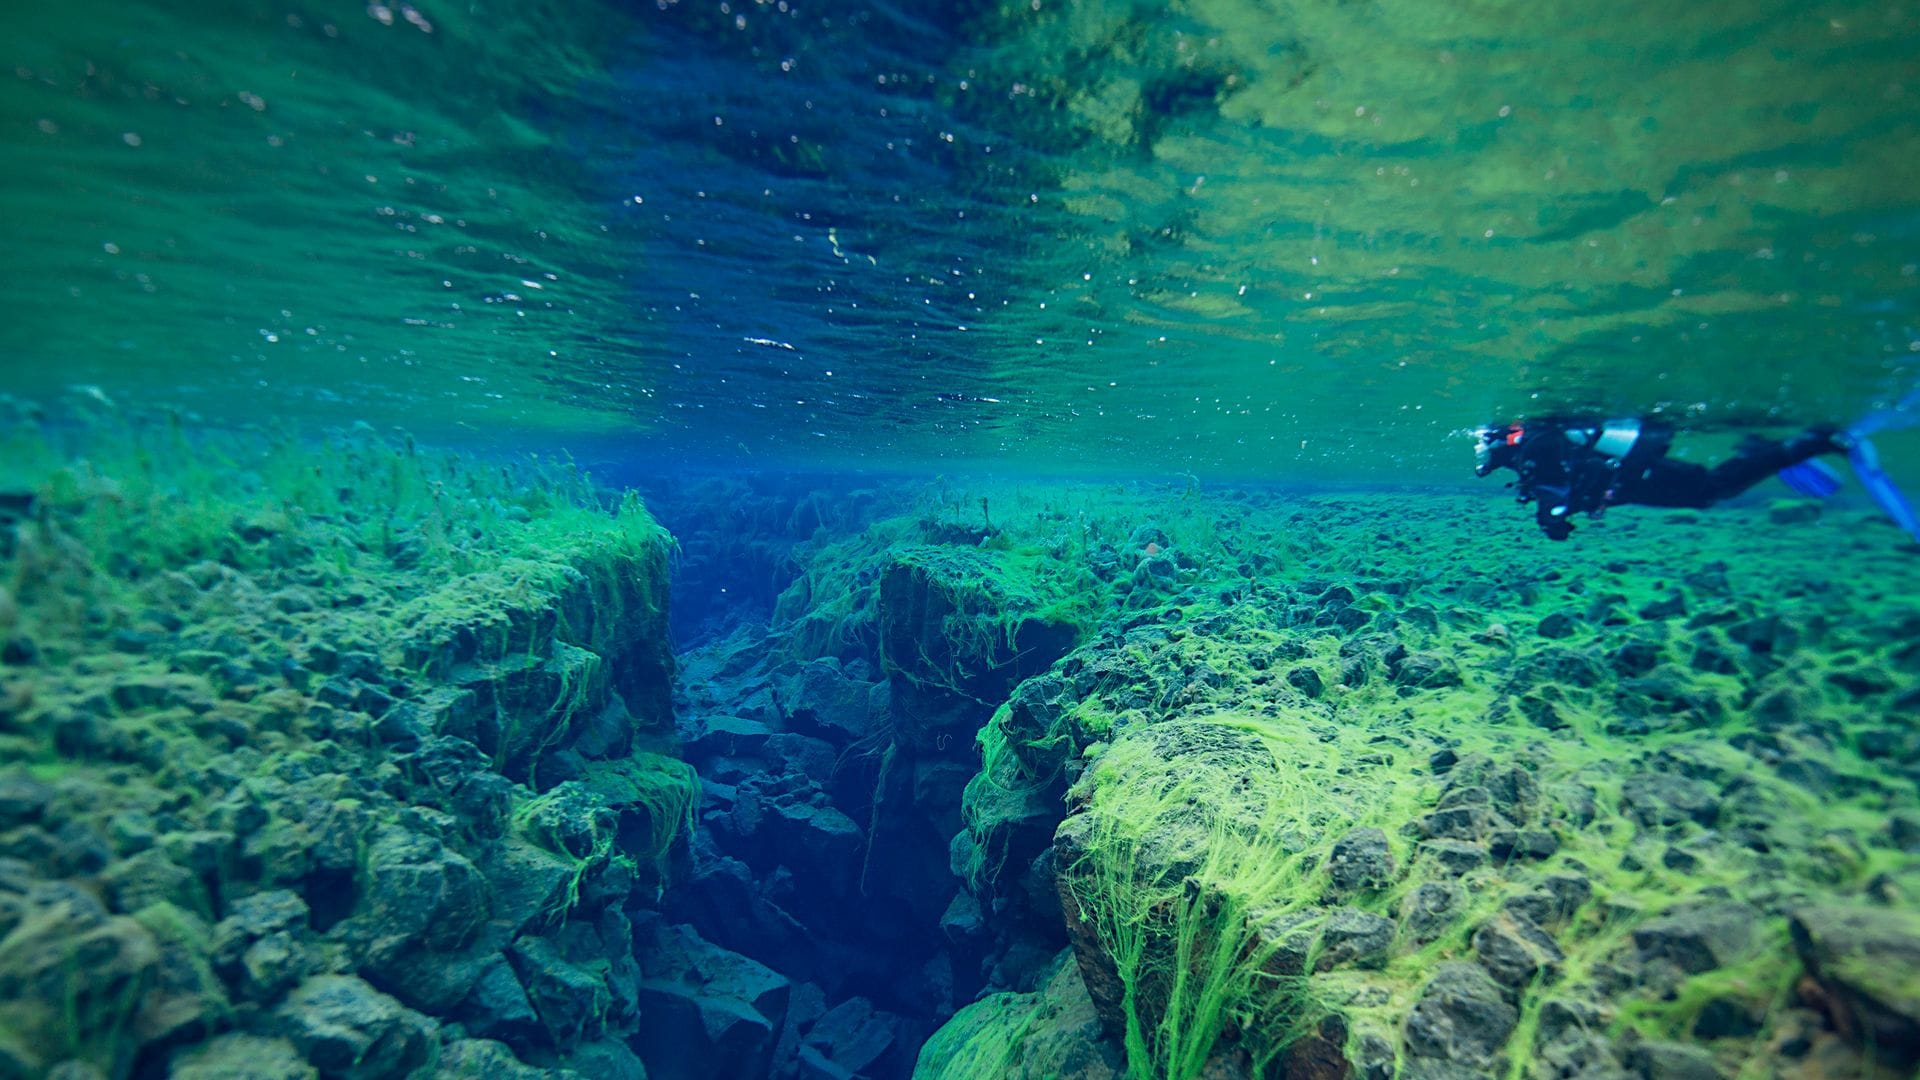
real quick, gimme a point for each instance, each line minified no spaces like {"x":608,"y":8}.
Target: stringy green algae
{"x":1196,"y":833}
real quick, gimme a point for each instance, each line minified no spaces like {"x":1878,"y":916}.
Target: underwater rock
{"x":1657,"y":1060}
{"x":22,"y":798}
{"x":260,"y":948}
{"x":678,"y":953}
{"x":1633,"y":659}
{"x":1506,"y":845}
{"x":851,"y":1035}
{"x":239,"y":1056}
{"x":1515,"y":951}
{"x":149,"y":877}
{"x":800,"y":757}
{"x":1430,"y":909}
{"x":687,"y":1035}
{"x":349,"y":1030}
{"x":1425,"y":671}
{"x":819,"y":843}
{"x":1307,"y":681}
{"x":1460,"y":822}
{"x":72,"y":975}
{"x":1673,"y":606}
{"x":1867,"y":964}
{"x":606,"y":1059}
{"x":724,"y":736}
{"x":1568,"y":1041}
{"x":1559,"y":624}
{"x":497,"y":1006}
{"x":1053,"y":1032}
{"x":492,"y":1060}
{"x":1361,"y":860}
{"x":1561,"y":666}
{"x":1696,"y":938}
{"x":821,"y":700}
{"x":418,"y":894}
{"x":1354,"y":938}
{"x":705,"y":1011}
{"x":571,"y":1001}
{"x":1665,"y":800}
{"x":1461,"y":1019}
{"x":1286,"y":938}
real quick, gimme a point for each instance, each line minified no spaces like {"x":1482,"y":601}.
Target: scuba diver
{"x":1583,"y":465}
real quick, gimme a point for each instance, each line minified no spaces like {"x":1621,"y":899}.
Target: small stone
{"x":1361,"y":860}
{"x":1557,"y":625}
{"x":1653,"y":1060}
{"x":1514,"y":950}
{"x":1429,"y":910}
{"x":1455,"y":857}
{"x":1354,"y":938}
{"x":1307,"y":681}
{"x":1673,"y":607}
{"x":1512,"y":844}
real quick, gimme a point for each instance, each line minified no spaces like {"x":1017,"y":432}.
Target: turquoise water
{"x":743,"y":539}
{"x":1221,"y":238}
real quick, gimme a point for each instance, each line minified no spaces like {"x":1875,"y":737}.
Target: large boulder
{"x":71,"y":975}
{"x":571,"y":1000}
{"x":1867,"y":963}
{"x":350,"y":1031}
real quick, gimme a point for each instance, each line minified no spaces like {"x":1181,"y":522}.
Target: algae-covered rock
{"x":345,"y":1028}
{"x":1195,"y":841}
{"x":488,"y":1059}
{"x":1461,"y":1020}
{"x":971,"y":620}
{"x":74,"y":980}
{"x":1867,"y":963}
{"x":1361,"y":860}
{"x":1054,"y":1031}
{"x":571,"y":1000}
{"x":238,"y":1056}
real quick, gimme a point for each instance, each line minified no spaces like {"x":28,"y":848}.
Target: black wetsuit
{"x":1582,"y":465}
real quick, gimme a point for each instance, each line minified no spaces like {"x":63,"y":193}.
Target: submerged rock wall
{"x":1426,"y":804}
{"x":325,"y":760}
{"x":1317,"y":787}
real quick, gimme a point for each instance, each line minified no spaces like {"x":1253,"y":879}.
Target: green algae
{"x":298,"y":650}
{"x":1764,"y":711}
{"x":1196,"y":834}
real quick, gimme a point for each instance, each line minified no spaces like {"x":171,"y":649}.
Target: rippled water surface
{"x":1220,"y":236}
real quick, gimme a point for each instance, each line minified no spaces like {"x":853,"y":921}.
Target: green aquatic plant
{"x":632,"y":809}
{"x":1198,"y":837}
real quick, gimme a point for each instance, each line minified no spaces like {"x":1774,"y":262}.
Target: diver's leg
{"x":1757,"y":459}
{"x":1672,"y":483}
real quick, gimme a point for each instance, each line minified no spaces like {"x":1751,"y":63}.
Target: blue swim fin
{"x":1811,"y":478}
{"x":1866,"y":466}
